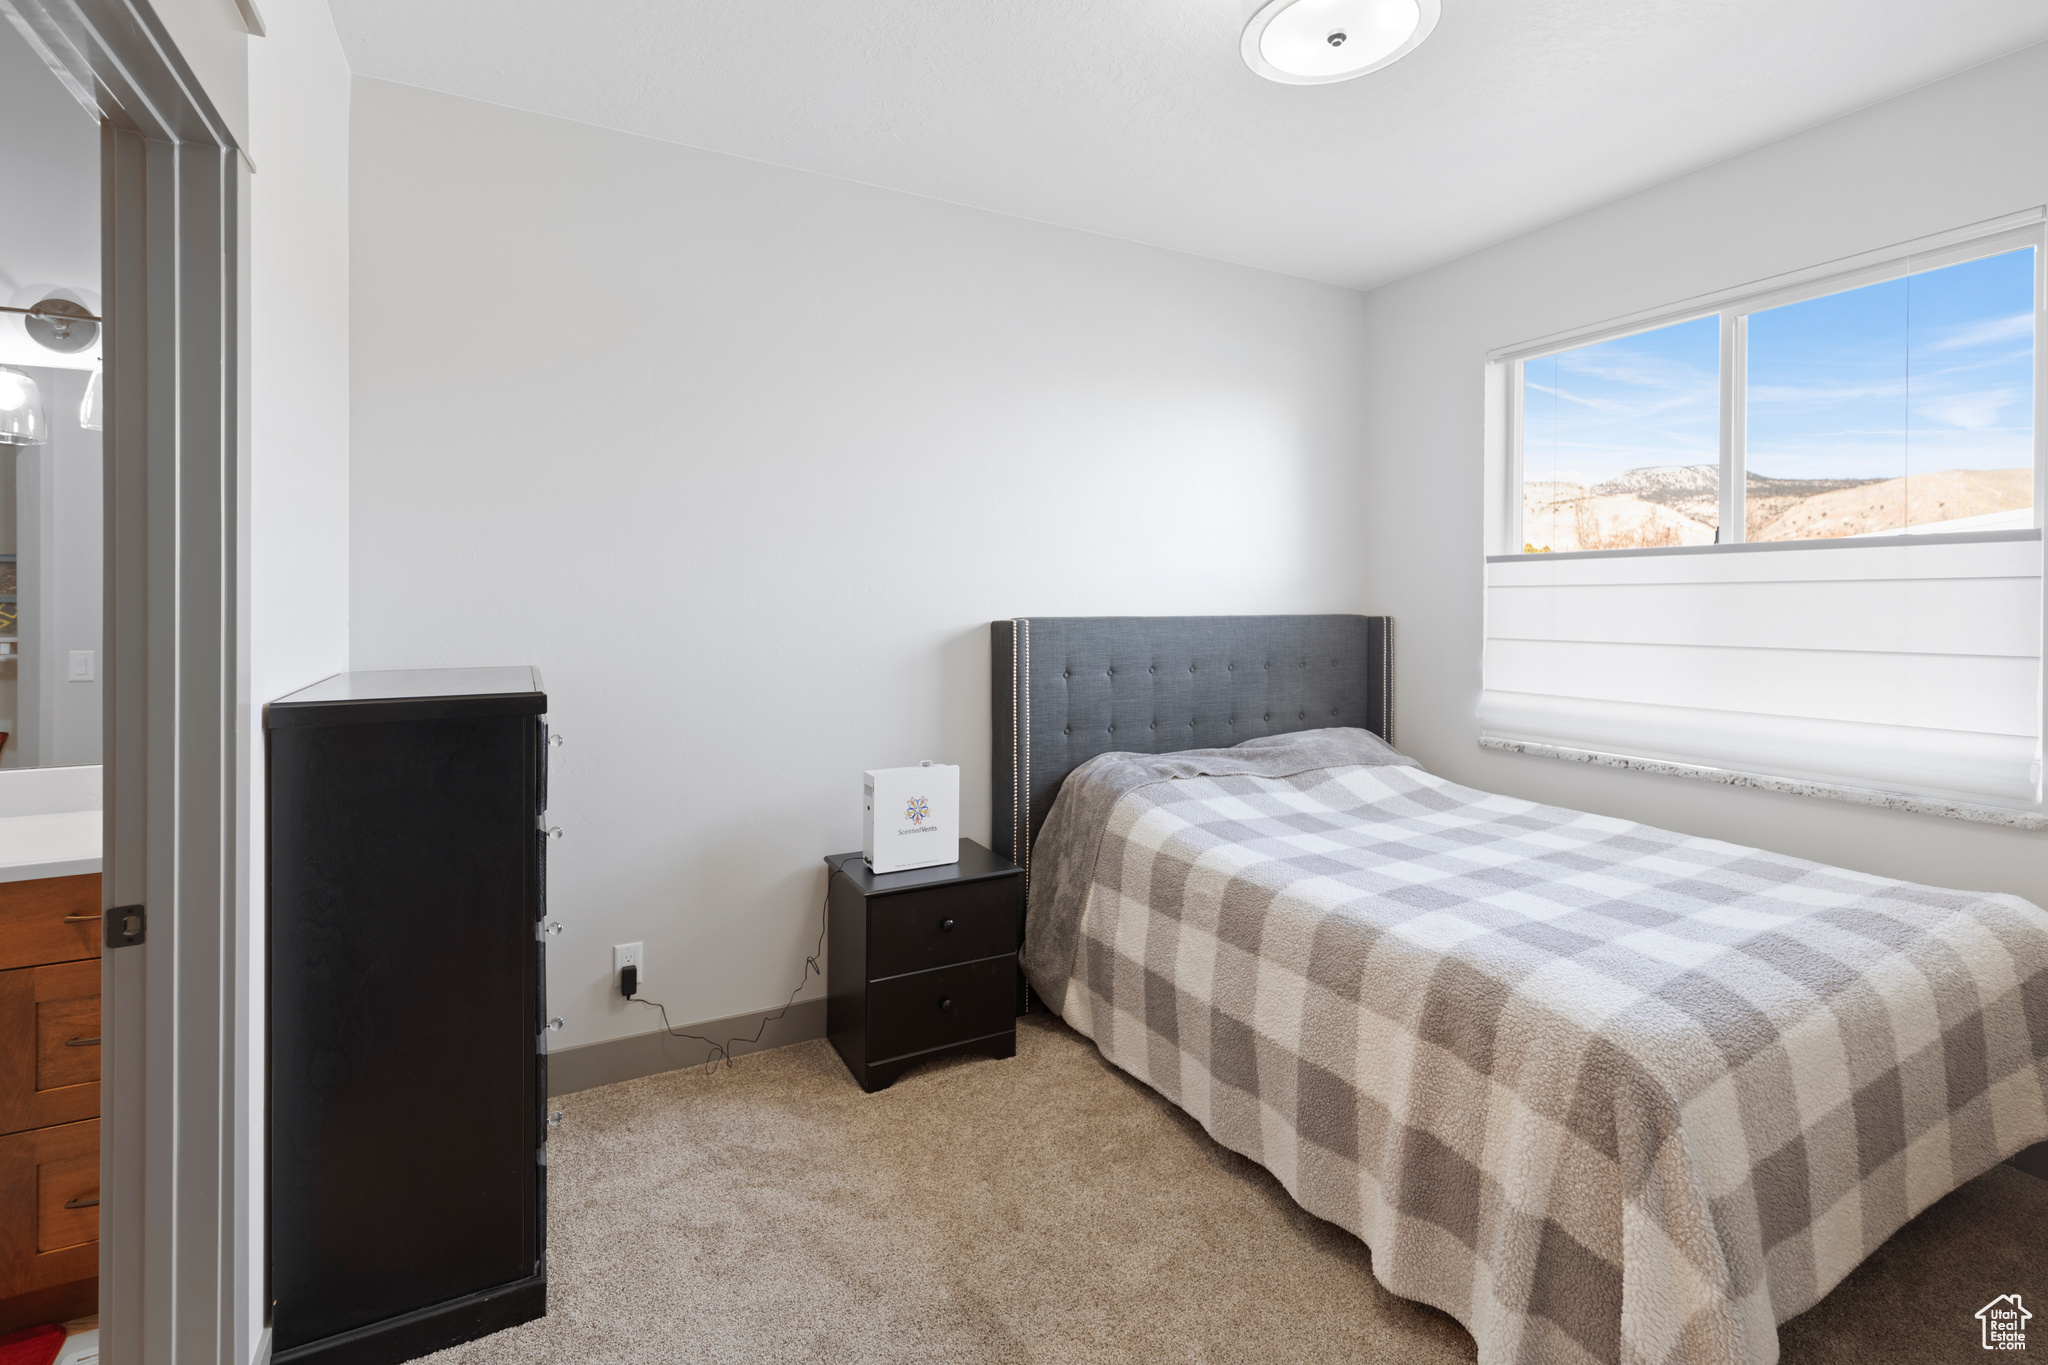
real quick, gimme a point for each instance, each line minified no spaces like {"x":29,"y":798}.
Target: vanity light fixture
{"x":1317,"y":42}
{"x":92,"y":409}
{"x":60,"y":325}
{"x":21,"y":410}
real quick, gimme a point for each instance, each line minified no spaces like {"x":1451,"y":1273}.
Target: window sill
{"x":1918,"y":805}
{"x":1871,"y":542}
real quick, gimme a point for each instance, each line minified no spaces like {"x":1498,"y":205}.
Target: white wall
{"x":1966,"y":149}
{"x":298,"y":503}
{"x":50,"y":212}
{"x":745,"y":459}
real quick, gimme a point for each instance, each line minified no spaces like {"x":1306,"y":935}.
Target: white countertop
{"x":33,"y":846}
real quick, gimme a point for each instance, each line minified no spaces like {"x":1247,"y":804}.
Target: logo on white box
{"x":926,"y":833}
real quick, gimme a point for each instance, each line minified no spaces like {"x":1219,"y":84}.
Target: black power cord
{"x":629,"y":980}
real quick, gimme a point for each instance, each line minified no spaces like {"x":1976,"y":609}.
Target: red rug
{"x":32,"y":1345}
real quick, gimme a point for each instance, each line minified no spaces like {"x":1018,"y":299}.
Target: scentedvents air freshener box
{"x":911,"y":817}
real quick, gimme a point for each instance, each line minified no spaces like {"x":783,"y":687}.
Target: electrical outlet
{"x":626,"y":955}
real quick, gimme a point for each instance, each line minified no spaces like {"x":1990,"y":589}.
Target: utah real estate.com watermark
{"x":2005,"y":1323}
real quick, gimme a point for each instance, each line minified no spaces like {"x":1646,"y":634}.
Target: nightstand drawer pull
{"x":946,"y":1004}
{"x":945,"y":926}
{"x":83,"y":1203}
{"x":81,"y":1042}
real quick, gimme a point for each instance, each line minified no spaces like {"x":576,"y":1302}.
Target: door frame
{"x":179,"y":1255}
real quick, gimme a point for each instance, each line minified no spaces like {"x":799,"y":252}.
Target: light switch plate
{"x":626,"y":955}
{"x":81,"y":665}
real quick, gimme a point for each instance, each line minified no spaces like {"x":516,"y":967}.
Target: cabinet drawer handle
{"x":945,"y":926}
{"x":83,"y":919}
{"x":946,"y":1004}
{"x":91,"y":1203}
{"x":81,"y":1042}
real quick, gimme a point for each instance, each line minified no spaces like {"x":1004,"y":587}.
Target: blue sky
{"x":1932,"y":371}
{"x":1649,"y":399}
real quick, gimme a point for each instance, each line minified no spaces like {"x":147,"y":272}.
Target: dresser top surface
{"x":416,"y":684}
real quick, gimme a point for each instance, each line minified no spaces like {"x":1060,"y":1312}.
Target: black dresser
{"x":923,"y":964}
{"x":407,"y":1154}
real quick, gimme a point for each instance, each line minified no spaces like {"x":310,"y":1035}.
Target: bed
{"x":1602,"y":1092}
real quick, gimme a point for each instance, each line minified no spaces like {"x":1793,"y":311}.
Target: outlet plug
{"x":632,"y":955}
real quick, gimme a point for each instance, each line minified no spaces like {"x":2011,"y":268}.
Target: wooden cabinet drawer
{"x":950,"y":1005}
{"x":49,"y":1206}
{"x":68,"y":1202}
{"x":913,"y":931}
{"x":49,"y":1045}
{"x":50,"y":919}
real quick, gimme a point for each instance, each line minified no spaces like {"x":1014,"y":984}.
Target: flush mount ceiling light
{"x":1315,"y":42}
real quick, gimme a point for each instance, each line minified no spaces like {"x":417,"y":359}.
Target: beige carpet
{"x":1046,"y":1209}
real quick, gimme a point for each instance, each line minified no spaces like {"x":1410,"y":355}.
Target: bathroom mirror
{"x":51,"y":506}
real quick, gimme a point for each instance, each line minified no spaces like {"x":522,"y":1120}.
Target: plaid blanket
{"x":1602,"y":1092}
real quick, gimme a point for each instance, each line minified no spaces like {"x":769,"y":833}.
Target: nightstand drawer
{"x":914,"y":931}
{"x":930,"y":1009}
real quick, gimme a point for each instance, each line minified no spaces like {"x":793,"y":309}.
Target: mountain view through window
{"x":1621,"y":443}
{"x":1897,"y":407}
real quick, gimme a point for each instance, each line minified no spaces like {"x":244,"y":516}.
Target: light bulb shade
{"x":1316,"y":42}
{"x":21,"y":410}
{"x":92,"y":409}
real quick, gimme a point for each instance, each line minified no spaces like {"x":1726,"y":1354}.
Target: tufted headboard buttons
{"x":1069,"y":688}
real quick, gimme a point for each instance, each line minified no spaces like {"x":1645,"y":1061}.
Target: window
{"x":1900,"y":406}
{"x":1789,"y":535}
{"x":1620,"y":442}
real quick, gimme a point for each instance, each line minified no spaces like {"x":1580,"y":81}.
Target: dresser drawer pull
{"x":83,"y":919}
{"x":945,"y":926}
{"x":946,"y":1004}
{"x":91,"y":1203}
{"x":81,"y":1042}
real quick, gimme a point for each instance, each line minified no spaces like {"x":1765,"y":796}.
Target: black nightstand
{"x":923,"y":964}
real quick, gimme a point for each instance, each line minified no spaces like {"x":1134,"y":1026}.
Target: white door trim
{"x":175,"y":1256}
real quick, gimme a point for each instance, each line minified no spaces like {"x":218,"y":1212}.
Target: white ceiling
{"x":1138,"y":119}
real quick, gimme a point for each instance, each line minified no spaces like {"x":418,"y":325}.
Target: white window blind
{"x":1904,"y":667}
{"x":1787,"y":533}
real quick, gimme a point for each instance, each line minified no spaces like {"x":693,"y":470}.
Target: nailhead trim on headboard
{"x":1022,"y":713}
{"x":1387,"y":679}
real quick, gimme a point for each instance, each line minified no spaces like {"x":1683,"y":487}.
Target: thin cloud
{"x":1818,"y":393}
{"x":1971,"y":411}
{"x":1984,"y":333}
{"x":1643,"y":405}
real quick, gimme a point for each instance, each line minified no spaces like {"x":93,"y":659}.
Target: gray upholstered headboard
{"x":1070,"y":687}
